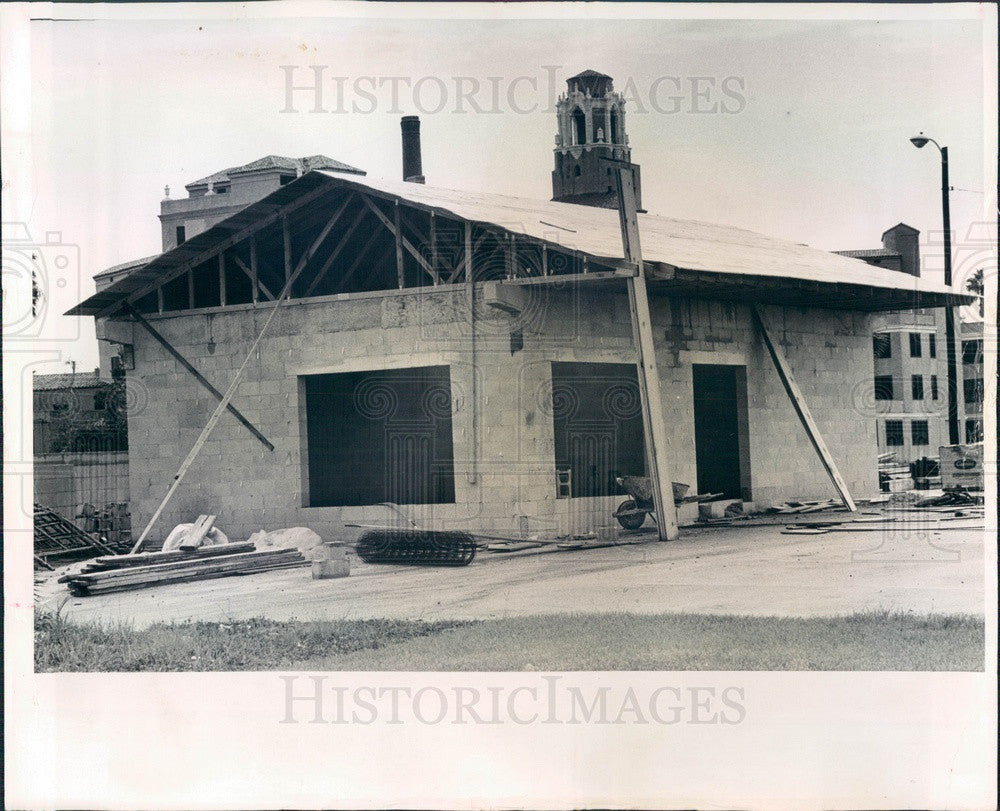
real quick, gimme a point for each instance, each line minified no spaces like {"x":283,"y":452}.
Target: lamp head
{"x":919,"y":141}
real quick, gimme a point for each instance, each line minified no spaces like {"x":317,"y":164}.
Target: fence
{"x":65,"y":482}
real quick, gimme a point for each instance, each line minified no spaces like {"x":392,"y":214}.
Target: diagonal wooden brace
{"x":195,"y":373}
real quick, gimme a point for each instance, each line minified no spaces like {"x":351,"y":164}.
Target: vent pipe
{"x":412,"y":169}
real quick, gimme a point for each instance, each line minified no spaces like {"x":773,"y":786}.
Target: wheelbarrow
{"x":631,"y":513}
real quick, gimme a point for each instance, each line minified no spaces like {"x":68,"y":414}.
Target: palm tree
{"x":974,"y":284}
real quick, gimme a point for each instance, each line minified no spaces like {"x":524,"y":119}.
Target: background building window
{"x":894,"y":432}
{"x":934,"y":387}
{"x":882,"y":345}
{"x":919,"y":433}
{"x":180,"y":234}
{"x":932,"y":345}
{"x":883,"y":387}
{"x":917,"y":387}
{"x":915,"y":348}
{"x":380,"y":436}
{"x":973,"y":389}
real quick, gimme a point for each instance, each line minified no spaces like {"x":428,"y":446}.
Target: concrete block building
{"x":470,"y":356}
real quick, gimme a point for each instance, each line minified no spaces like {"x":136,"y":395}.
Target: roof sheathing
{"x":699,"y":247}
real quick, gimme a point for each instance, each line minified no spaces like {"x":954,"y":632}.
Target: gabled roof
{"x":713,"y":257}
{"x":298,"y":165}
{"x":127,"y":266}
{"x":901,"y":226}
{"x":80,"y":380}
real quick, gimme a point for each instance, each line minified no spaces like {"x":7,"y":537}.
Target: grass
{"x":876,"y":640}
{"x":254,"y":644}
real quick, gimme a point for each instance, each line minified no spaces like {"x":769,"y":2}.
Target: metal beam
{"x":655,"y":429}
{"x":196,"y":374}
{"x":799,"y":404}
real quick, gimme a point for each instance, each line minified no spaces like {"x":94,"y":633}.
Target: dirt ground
{"x":723,"y":570}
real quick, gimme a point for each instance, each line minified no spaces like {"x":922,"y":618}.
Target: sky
{"x":794,"y":129}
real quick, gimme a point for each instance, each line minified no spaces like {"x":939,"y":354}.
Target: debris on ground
{"x":795,"y":507}
{"x":951,"y":497}
{"x":190,"y":536}
{"x":301,"y":538}
{"x":423,"y":547}
{"x":893,"y":476}
{"x":145,"y":569}
{"x":58,"y":540}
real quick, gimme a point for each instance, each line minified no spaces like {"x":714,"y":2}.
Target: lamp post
{"x":920,"y":141}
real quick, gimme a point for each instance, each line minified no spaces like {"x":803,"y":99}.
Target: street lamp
{"x":920,"y":141}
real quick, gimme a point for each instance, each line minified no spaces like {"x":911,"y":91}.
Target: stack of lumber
{"x":58,"y":540}
{"x":125,"y":572}
{"x":893,"y":476}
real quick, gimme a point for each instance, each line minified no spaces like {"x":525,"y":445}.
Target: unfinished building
{"x":471,"y":356}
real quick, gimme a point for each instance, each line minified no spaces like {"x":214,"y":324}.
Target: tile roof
{"x":297,"y":165}
{"x":590,"y":74}
{"x":80,"y":380}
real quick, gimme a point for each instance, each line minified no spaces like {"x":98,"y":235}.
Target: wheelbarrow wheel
{"x":629,"y":516}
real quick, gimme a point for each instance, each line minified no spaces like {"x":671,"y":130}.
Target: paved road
{"x":745,"y":570}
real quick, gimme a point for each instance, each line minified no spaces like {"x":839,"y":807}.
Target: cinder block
{"x":717,"y":509}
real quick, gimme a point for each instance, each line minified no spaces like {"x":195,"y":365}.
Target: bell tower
{"x":591,"y":119}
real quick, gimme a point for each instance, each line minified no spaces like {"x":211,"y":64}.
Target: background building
{"x":910,"y":386}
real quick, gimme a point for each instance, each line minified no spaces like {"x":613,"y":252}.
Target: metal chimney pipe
{"x":412,"y":169}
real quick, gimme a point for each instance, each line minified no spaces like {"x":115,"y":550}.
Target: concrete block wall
{"x":512,"y":474}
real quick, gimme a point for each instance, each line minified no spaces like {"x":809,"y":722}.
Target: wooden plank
{"x":254,"y":280}
{"x":655,"y":429}
{"x":799,"y":404}
{"x":190,"y":279}
{"x":228,"y":242}
{"x":159,"y":300}
{"x":196,"y":374}
{"x":434,"y":251}
{"x":219,"y":409}
{"x":286,"y":241}
{"x":222,"y":279}
{"x":196,"y":535}
{"x":398,"y":234}
{"x":252,"y":272}
{"x":359,"y":217}
{"x":346,"y":278}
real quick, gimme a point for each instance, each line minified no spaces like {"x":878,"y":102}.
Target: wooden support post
{"x":799,"y":404}
{"x":222,"y":280}
{"x":258,"y":285}
{"x":434,"y":251}
{"x":196,"y":374}
{"x":473,"y":474}
{"x":224,"y":405}
{"x":321,"y":274}
{"x":358,"y":258}
{"x":254,"y":276}
{"x":286,"y":236}
{"x":398,"y":234}
{"x":159,"y":300}
{"x":545,"y":260}
{"x":654,"y":425}
{"x":190,"y":275}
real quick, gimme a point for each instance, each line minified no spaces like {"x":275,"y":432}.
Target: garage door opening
{"x":379,"y":436}
{"x":597,"y":419}
{"x":721,"y":433}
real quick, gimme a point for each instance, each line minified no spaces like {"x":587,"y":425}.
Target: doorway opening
{"x":721,"y":430}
